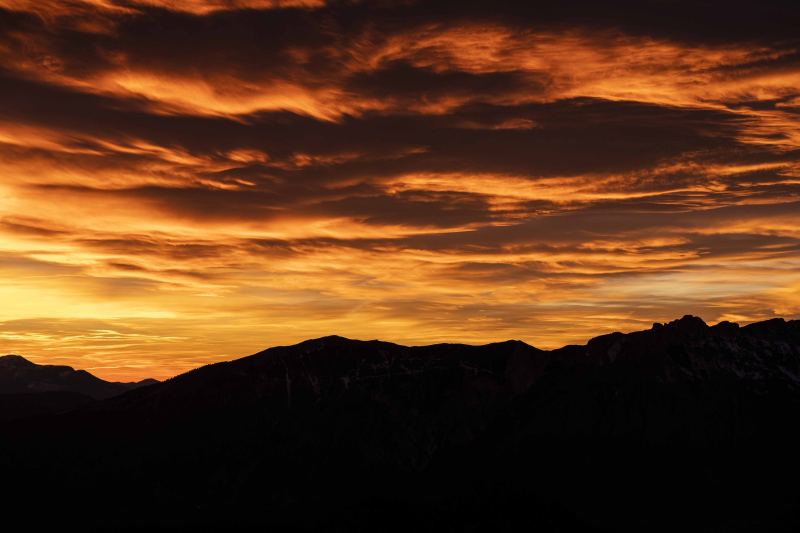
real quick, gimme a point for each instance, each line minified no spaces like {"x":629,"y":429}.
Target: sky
{"x":189,"y":182}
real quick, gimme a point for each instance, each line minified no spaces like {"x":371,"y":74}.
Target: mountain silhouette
{"x":28,"y":389}
{"x":682,"y":426}
{"x":18,"y":375}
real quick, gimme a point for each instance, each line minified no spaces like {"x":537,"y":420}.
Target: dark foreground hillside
{"x":682,"y":427}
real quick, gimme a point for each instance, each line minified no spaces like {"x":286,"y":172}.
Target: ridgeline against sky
{"x":184,"y":182}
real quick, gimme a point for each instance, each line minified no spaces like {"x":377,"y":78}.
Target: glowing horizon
{"x":184,"y":183}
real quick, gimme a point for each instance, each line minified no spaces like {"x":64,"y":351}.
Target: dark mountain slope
{"x":332,"y":368}
{"x":682,"y":426}
{"x":26,"y":404}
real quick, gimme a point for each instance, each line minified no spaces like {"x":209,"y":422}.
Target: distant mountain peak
{"x":19,"y":375}
{"x":334,"y":338}
{"x":686,"y":321}
{"x":14,"y":360}
{"x":687,"y":325}
{"x":337,"y":340}
{"x":726,"y":328}
{"x":512,"y":344}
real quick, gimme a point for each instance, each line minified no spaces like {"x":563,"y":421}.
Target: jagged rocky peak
{"x":686,"y":325}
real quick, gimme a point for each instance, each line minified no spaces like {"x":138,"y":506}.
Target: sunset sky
{"x":189,"y":182}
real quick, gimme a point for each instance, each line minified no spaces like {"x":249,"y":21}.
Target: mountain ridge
{"x":686,"y":326}
{"x":682,"y":351}
{"x":683,"y":426}
{"x":19,"y":375}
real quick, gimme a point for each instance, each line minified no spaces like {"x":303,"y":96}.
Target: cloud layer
{"x":183,"y":182}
